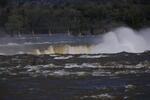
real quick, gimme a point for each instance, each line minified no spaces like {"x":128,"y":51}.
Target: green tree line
{"x":75,"y":16}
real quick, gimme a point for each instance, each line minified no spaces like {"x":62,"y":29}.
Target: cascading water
{"x":65,"y":49}
{"x":123,"y":39}
{"x":118,"y":40}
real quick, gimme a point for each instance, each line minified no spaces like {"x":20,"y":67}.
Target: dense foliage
{"x":75,"y":16}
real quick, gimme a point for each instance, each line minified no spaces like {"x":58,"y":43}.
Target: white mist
{"x":123,"y":39}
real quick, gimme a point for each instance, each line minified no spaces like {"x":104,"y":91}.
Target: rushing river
{"x":117,"y":40}
{"x":122,"y":76}
{"x":62,"y":67}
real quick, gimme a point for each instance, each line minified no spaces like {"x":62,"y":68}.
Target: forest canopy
{"x":75,"y":16}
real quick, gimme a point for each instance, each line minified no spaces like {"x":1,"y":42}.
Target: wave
{"x":117,"y":40}
{"x":124,"y":39}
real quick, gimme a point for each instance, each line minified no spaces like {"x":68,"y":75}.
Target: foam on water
{"x":93,"y":56}
{"x":117,"y":40}
{"x":72,"y":69}
{"x":63,"y":57}
{"x":123,"y":39}
{"x":100,"y":96}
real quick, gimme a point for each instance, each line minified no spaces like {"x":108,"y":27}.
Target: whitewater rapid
{"x":124,"y":39}
{"x":118,"y":40}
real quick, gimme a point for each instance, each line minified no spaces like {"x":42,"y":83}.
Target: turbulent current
{"x":117,"y":40}
{"x":121,"y":76}
{"x":62,"y":67}
{"x":124,"y":39}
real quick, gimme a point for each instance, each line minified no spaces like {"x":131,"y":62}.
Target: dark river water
{"x":82,"y":77}
{"x":125,"y":87}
